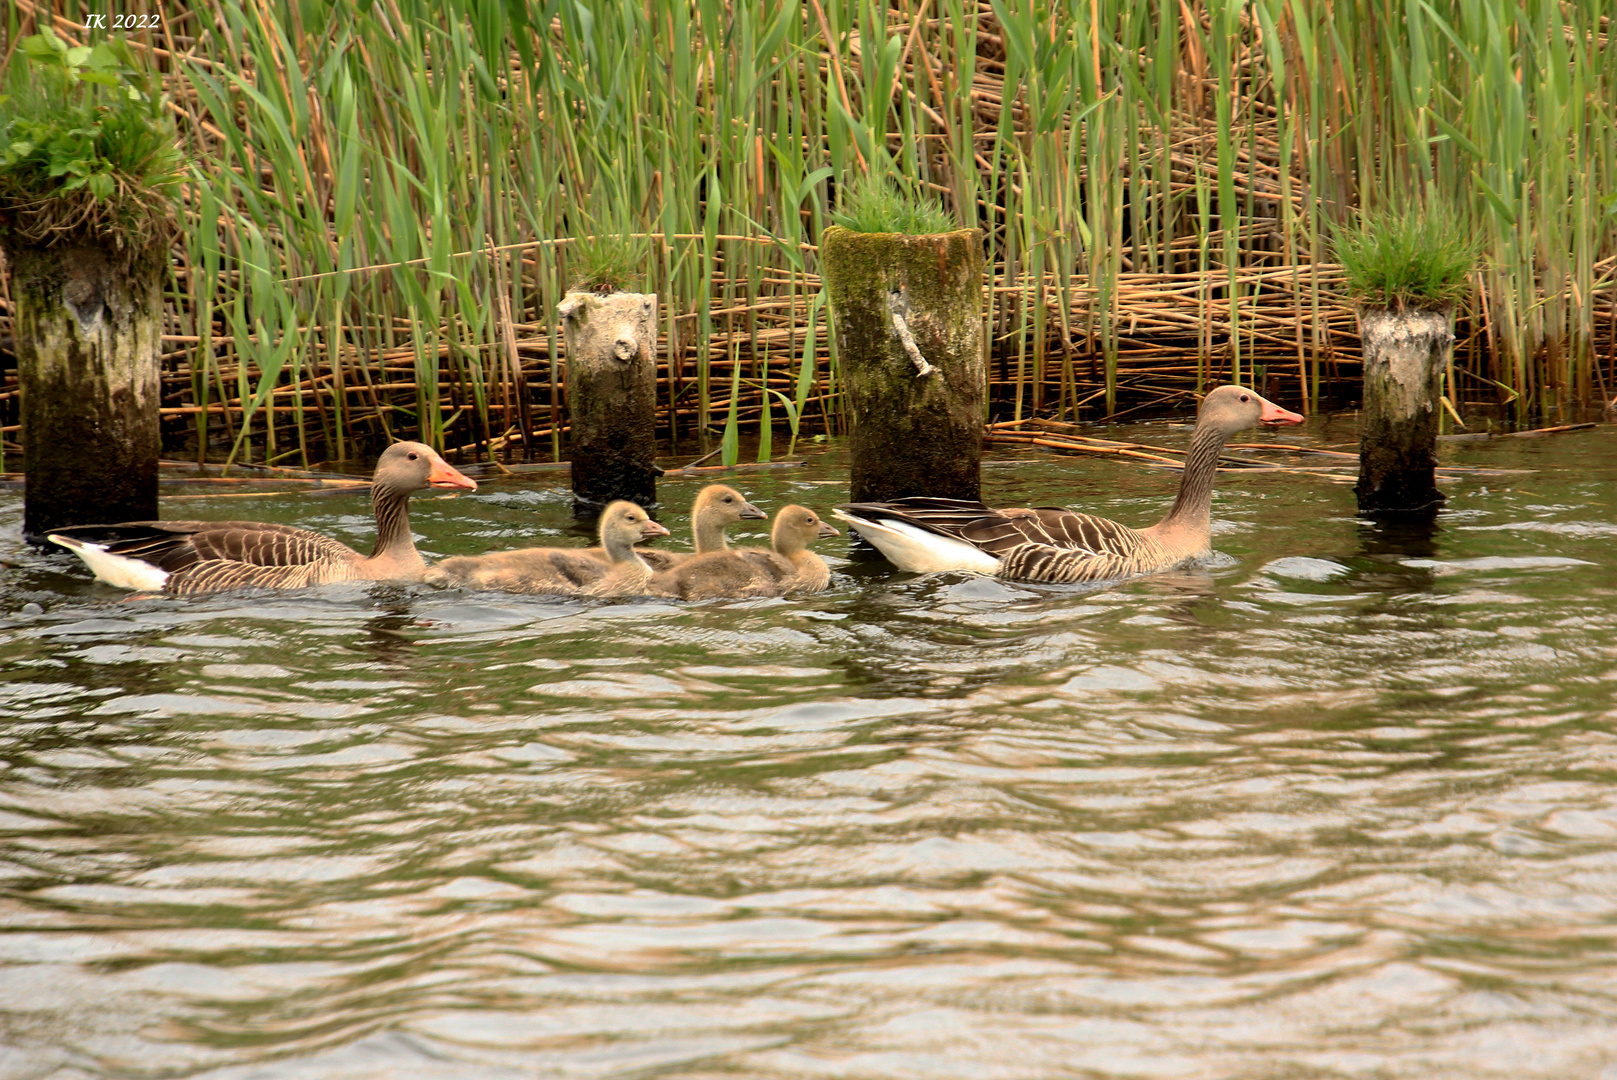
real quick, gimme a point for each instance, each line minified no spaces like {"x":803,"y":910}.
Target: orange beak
{"x":1274,"y":414}
{"x":445,"y":475}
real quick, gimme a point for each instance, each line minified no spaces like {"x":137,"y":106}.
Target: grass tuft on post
{"x":877,"y":204}
{"x":1410,"y":258}
{"x":609,"y":262}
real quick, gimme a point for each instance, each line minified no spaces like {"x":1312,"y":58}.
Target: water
{"x":1341,"y":802}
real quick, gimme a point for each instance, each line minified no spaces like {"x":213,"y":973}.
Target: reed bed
{"x":384,"y":197}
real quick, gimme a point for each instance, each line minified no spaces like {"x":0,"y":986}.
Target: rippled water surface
{"x":1341,"y":802}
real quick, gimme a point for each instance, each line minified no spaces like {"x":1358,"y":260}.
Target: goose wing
{"x":177,"y":546}
{"x":717,"y":574}
{"x":659,"y":560}
{"x":267,"y":545}
{"x":767,"y":566}
{"x":217,"y":575}
{"x":1001,"y":531}
{"x":1043,"y":562}
{"x":526,"y":570}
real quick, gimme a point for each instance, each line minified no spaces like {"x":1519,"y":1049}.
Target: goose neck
{"x":1193,"y":510}
{"x":392,"y":508}
{"x":629,"y":574}
{"x":709,"y":534}
{"x":620,"y":550}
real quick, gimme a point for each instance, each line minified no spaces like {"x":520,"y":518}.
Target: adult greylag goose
{"x":789,"y":568}
{"x":191,"y":557}
{"x":1057,"y":545}
{"x":614,"y":569}
{"x":716,"y":508}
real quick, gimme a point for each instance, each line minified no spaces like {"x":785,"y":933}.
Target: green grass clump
{"x":608,"y":263}
{"x":879,"y":205}
{"x":86,"y":151}
{"x":1407,"y":258}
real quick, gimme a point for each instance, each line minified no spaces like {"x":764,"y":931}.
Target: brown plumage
{"x":789,"y":568}
{"x":1056,"y":545}
{"x":190,"y":557}
{"x":613,"y":569}
{"x":716,"y":508}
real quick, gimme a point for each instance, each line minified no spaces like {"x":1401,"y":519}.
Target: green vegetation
{"x":876,"y":204}
{"x":1406,"y":258}
{"x":86,"y":147}
{"x":608,"y":263}
{"x":1155,"y":185}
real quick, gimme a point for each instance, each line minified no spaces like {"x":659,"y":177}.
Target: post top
{"x":843,"y":234}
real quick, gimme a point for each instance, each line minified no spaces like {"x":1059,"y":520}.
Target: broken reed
{"x":379,"y":235}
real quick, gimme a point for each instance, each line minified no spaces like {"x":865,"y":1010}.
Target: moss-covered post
{"x":88,"y":325}
{"x":908,"y":314}
{"x":89,"y":173}
{"x":611,"y":397}
{"x":1405,"y":354}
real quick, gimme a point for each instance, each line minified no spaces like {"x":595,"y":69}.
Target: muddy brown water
{"x":1341,"y":801}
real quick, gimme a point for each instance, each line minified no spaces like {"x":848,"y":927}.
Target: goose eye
{"x":1245,"y":398}
{"x":413,"y":456}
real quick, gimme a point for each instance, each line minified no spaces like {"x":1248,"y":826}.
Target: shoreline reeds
{"x":384,"y":199}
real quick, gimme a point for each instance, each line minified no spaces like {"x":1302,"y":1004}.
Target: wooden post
{"x":908,"y":313}
{"x":611,"y":397}
{"x":88,"y":326}
{"x":1405,"y":354}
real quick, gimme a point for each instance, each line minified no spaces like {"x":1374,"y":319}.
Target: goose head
{"x":796,"y":527}
{"x":1235,"y":408}
{"x":625,"y":524}
{"x":719,"y":506}
{"x":411,"y":466}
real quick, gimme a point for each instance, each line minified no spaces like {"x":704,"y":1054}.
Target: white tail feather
{"x":919,"y":550}
{"x":117,"y":570}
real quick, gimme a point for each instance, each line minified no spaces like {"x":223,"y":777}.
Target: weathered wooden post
{"x":1405,"y":269}
{"x":88,"y":325}
{"x":1405,"y":354}
{"x":611,"y":397}
{"x":87,"y":240}
{"x":908,"y":313}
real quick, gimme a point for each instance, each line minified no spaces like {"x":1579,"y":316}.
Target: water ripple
{"x":1339,"y":802}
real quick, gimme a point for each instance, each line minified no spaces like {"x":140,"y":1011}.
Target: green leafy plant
{"x":86,"y":147}
{"x":877,"y":203}
{"x":1410,"y":258}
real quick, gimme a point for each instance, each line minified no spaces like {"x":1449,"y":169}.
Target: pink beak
{"x":445,"y":475}
{"x":1274,"y":414}
{"x":651,"y":529}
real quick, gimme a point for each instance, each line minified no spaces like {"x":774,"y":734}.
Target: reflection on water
{"x":1393,"y":553}
{"x":1339,"y":802}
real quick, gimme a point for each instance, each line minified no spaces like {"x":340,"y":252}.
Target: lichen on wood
{"x":611,"y":387}
{"x":1405,"y":353}
{"x":911,"y":432}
